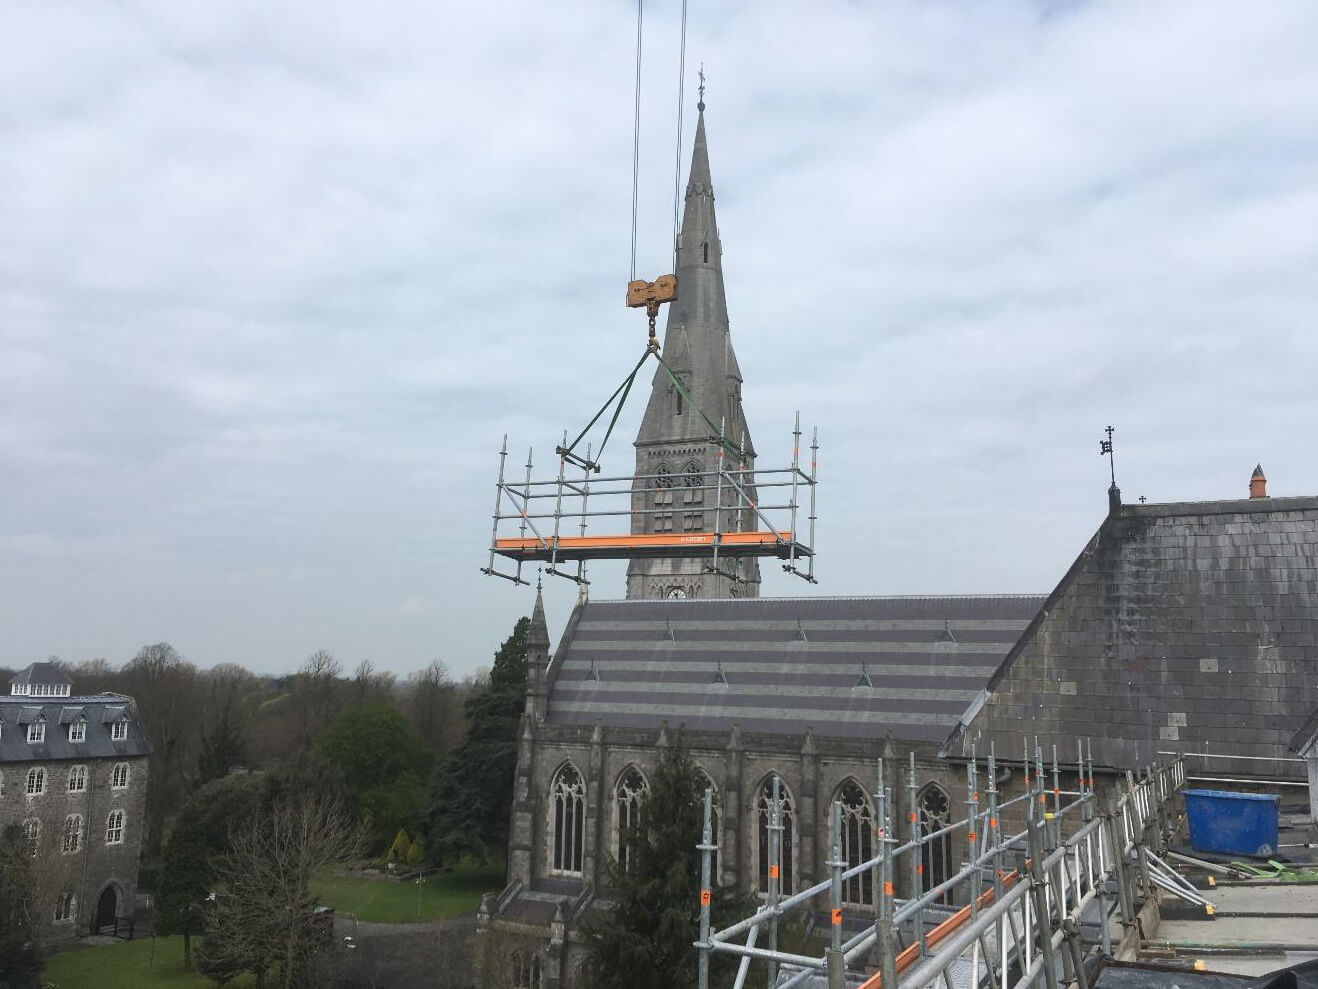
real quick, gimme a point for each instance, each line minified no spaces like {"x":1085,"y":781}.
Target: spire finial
{"x":701,"y":89}
{"x":1105,"y":450}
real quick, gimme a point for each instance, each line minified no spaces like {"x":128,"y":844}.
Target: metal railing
{"x":1023,"y":895}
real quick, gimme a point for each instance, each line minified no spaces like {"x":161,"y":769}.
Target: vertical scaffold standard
{"x":545,"y":520}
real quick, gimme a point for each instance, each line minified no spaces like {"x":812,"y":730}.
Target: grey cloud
{"x":275,"y":282}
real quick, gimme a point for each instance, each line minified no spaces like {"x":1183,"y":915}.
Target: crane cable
{"x":636,"y":135}
{"x":677,"y":156}
{"x":636,"y":132}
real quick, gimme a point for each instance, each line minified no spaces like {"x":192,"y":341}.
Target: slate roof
{"x":1306,"y":738}
{"x":1181,"y":627}
{"x":17,"y":712}
{"x":848,"y":667}
{"x":41,"y":673}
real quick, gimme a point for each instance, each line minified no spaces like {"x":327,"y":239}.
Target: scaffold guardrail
{"x":729,"y":511}
{"x":1024,"y":896}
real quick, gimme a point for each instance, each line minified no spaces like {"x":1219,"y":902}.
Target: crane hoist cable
{"x":636,"y":133}
{"x":642,"y":293}
{"x":619,"y":398}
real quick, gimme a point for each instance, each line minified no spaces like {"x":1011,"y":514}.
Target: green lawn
{"x":443,"y":894}
{"x":128,"y":965}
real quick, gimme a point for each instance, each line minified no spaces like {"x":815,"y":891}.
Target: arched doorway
{"x":107,"y":909}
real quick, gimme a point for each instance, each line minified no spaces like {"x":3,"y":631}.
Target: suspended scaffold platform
{"x":731,"y":511}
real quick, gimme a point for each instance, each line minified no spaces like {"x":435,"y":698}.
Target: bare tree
{"x":316,"y":694}
{"x":169,"y":699}
{"x":372,"y":686}
{"x":434,"y":706}
{"x":264,"y":917}
{"x":503,"y":960}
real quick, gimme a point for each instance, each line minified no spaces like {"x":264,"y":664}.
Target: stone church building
{"x":1181,"y":627}
{"x":805,"y":689}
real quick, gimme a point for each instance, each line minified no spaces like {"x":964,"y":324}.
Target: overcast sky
{"x":275,"y":279}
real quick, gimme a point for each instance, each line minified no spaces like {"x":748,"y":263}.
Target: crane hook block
{"x":649,"y":295}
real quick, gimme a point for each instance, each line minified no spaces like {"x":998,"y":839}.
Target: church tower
{"x":675,"y":443}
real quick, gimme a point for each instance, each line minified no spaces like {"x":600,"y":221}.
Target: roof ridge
{"x":684,"y":602}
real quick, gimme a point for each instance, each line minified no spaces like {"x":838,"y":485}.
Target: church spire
{"x":538,"y":632}
{"x":696,"y":341}
{"x":674,"y":439}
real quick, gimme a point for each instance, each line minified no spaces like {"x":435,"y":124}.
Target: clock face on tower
{"x":676,"y":593}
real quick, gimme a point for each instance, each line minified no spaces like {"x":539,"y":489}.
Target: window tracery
{"x":764,"y":807}
{"x":936,"y":854}
{"x":629,"y":796}
{"x":568,"y":797}
{"x":857,"y":842}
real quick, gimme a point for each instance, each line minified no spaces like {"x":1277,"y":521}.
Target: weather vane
{"x":701,"y":89}
{"x":1105,"y":450}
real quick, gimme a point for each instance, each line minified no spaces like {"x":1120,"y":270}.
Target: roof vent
{"x":594,"y":673}
{"x":864,"y":680}
{"x":669,"y":634}
{"x":1258,"y":483}
{"x":720,"y":678}
{"x":947,"y":635}
{"x":800,"y":632}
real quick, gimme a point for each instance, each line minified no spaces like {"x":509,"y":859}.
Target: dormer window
{"x":78,"y":731}
{"x":119,"y":730}
{"x":36,"y":732}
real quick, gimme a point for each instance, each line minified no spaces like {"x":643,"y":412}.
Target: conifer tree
{"x":645,"y":941}
{"x":472,"y":797}
{"x":20,"y":950}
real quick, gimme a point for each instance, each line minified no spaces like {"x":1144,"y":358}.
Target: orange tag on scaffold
{"x":971,"y":836}
{"x":993,"y":822}
{"x":887,"y":889}
{"x":773,"y":872}
{"x":837,"y":918}
{"x":912,"y":817}
{"x":704,"y":897}
{"x":919,"y":870}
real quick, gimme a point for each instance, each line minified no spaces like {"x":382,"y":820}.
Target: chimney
{"x":1114,"y":500}
{"x":1258,"y":483}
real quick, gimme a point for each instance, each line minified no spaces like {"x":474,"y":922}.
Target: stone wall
{"x":95,"y":866}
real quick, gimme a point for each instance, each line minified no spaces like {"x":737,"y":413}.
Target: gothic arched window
{"x":526,"y":971}
{"x":857,"y":842}
{"x":693,"y":497}
{"x":663,"y":498}
{"x":629,"y":798}
{"x":567,"y":794}
{"x":936,"y":854}
{"x":764,"y":815}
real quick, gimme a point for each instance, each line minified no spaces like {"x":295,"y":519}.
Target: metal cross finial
{"x":701,"y":89}
{"x":1105,"y":450}
{"x":1143,"y":499}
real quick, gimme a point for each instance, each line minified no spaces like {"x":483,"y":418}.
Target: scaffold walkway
{"x":1033,"y":903}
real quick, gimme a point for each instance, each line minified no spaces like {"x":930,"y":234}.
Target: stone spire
{"x":697,"y":344}
{"x":537,"y":661}
{"x":538,"y":632}
{"x":673,"y":437}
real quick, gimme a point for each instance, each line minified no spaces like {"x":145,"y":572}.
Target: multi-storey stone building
{"x":73,"y":776}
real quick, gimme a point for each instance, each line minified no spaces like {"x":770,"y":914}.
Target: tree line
{"x":257,"y":781}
